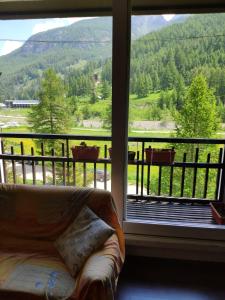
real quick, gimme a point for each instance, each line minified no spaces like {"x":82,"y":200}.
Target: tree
{"x":198,"y":117}
{"x":169,"y":76}
{"x":80,"y":83}
{"x":180,"y":92}
{"x":94,"y":97}
{"x":107,"y":71}
{"x":105,"y":90}
{"x":166,"y":99}
{"x":107,"y":120}
{"x":155,"y":81}
{"x":143,"y":85}
{"x":52,"y":114}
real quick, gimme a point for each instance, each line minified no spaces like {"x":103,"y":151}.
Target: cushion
{"x":36,"y":274}
{"x":85,"y":235}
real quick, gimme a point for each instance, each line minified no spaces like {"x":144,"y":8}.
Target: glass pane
{"x":176,"y":91}
{"x":56,"y":79}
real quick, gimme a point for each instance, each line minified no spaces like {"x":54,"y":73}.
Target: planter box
{"x":90,"y":153}
{"x":218,"y":212}
{"x":154,"y":155}
{"x":131,"y":154}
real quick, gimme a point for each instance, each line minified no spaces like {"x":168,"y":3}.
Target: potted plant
{"x":218,"y":212}
{"x":131,"y":154}
{"x":84,"y":152}
{"x":154,"y":155}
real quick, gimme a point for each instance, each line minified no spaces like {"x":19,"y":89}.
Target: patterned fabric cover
{"x":36,"y":274}
{"x":31,"y":219}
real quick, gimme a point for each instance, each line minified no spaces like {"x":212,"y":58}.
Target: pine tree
{"x":107,"y":71}
{"x":94,"y":97}
{"x":198,"y":117}
{"x":52,"y":114}
{"x":143,"y":85}
{"x":180,"y":92}
{"x":105,"y":90}
{"x":107,"y":122}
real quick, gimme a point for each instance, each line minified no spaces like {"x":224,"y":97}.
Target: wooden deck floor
{"x":169,"y":212}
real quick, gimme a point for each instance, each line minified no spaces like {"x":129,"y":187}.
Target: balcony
{"x":159,"y":192}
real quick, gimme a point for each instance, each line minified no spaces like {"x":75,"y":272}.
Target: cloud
{"x":43,"y":25}
{"x":10,"y":46}
{"x":47,"y":25}
{"x":54,"y":23}
{"x":168,"y":17}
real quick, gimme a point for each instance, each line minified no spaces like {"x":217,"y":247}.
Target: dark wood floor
{"x":159,"y":212}
{"x":155,"y":279}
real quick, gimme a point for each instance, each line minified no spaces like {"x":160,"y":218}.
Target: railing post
{"x":2,"y":177}
{"x":68,"y":163}
{"x":142,"y":166}
{"x":222,"y":182}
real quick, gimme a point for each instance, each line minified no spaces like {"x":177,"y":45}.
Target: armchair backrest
{"x":44,"y":212}
{"x":35,"y":211}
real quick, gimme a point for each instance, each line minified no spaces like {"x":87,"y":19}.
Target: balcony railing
{"x":196,"y":175}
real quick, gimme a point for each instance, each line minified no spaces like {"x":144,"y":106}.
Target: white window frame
{"x":120,"y":108}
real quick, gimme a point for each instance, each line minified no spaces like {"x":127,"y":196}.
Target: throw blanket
{"x":31,"y":218}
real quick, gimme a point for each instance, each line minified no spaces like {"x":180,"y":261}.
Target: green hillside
{"x":168,"y":59}
{"x":53,"y":49}
{"x":63,"y":49}
{"x":165,"y":59}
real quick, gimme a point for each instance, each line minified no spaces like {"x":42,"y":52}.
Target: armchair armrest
{"x":98,"y":278}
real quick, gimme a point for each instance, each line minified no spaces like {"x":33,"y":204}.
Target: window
{"x":56,"y":79}
{"x":176,"y":93}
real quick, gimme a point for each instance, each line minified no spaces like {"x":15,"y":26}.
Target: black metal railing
{"x":196,"y":175}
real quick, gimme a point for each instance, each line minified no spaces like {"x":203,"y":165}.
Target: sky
{"x":13,"y":30}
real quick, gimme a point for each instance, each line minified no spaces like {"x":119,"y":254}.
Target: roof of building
{"x":23,"y":102}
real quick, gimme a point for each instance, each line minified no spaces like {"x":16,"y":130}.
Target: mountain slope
{"x":180,"y":50}
{"x":65,"y":48}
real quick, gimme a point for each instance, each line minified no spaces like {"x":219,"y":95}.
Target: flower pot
{"x":154,"y":155}
{"x":131,"y":154}
{"x":218,"y":212}
{"x":90,"y":153}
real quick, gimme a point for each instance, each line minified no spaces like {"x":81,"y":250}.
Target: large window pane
{"x":176,"y":91}
{"x":56,"y":79}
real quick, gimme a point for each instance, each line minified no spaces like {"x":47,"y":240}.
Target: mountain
{"x":141,"y":25}
{"x":64,"y":49}
{"x":179,"y":18}
{"x":169,"y":58}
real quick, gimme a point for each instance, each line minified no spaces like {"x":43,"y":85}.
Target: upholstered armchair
{"x":45,"y":252}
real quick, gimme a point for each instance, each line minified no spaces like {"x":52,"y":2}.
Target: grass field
{"x":140,"y":108}
{"x":132,"y":169}
{"x":133,"y":146}
{"x":18,"y":112}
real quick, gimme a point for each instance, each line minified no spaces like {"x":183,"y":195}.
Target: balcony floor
{"x":165,"y":212}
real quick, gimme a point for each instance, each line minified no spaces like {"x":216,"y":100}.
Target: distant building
{"x":21,"y":103}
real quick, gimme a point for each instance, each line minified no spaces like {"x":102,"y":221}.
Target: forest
{"x":167,"y":60}
{"x":163,"y":64}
